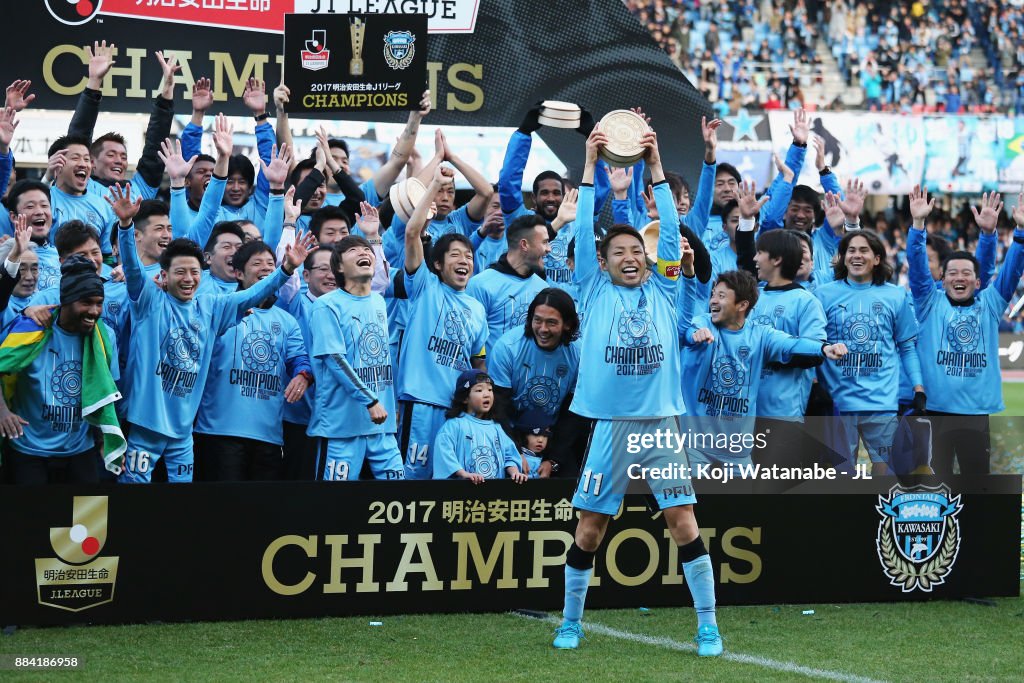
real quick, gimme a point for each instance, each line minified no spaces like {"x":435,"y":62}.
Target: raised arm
{"x":987,"y":219}
{"x":1013,"y":263}
{"x":368,"y":220}
{"x":10,"y":273}
{"x":781,"y":189}
{"x":223,"y":141}
{"x":700,"y":206}
{"x":510,"y":179}
{"x":668,"y":236}
{"x":620,"y":180}
{"x":149,"y":170}
{"x":985,"y":252}
{"x":291,"y":211}
{"x":255,"y":99}
{"x":352,"y":193}
{"x":586,"y":248}
{"x":780,"y":192}
{"x":125,"y":209}
{"x":276,"y":173}
{"x":385,"y":176}
{"x":922,"y":286}
{"x":282,"y":96}
{"x":101,"y":58}
{"x":477,"y":206}
{"x":178,"y":168}
{"x":8,"y":124}
{"x":700,"y":203}
{"x":418,"y":221}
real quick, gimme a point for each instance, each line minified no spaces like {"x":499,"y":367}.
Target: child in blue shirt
{"x":532,"y":431}
{"x":471,"y":444}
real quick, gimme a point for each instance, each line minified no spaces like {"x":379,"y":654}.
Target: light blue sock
{"x":576,"y":583}
{"x":700,"y":577}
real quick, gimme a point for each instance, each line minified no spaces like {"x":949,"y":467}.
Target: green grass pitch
{"x":936,"y":641}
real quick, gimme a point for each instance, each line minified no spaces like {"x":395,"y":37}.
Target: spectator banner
{"x":753,"y":163}
{"x":488,"y":60}
{"x":1011,"y":162}
{"x":355,"y":62}
{"x":963,"y":153}
{"x":885,"y":151}
{"x":110,"y":554}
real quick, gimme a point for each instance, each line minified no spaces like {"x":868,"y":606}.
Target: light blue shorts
{"x":605,"y":474}
{"x":342,"y":459}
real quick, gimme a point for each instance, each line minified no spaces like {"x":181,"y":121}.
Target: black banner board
{"x":115,"y":554}
{"x":364,"y":62}
{"x":488,"y":61}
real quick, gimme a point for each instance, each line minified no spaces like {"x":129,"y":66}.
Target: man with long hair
{"x":875,"y":319}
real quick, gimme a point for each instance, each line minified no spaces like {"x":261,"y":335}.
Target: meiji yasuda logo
{"x":316,"y":55}
{"x":73,"y":12}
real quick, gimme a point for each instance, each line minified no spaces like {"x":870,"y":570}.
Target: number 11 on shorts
{"x":589,"y":477}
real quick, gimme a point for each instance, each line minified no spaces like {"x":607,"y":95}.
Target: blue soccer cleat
{"x":568,"y":635}
{"x":709,"y":641}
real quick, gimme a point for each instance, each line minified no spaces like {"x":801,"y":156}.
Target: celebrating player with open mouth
{"x":629,"y":383}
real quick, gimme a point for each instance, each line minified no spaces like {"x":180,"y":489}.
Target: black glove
{"x":530,"y":123}
{"x":920,"y":403}
{"x":586,"y":123}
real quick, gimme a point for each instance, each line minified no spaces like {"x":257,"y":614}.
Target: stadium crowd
{"x":292,"y":322}
{"x":904,"y":57}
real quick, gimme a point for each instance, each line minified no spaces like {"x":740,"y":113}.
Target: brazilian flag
{"x":23,"y":340}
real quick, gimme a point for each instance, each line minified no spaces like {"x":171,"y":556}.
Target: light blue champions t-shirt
{"x":629,"y":361}
{"x":556,"y":270}
{"x":723,"y":260}
{"x":90,"y":208}
{"x":721,"y":379}
{"x":252,"y":364}
{"x":539,"y":379}
{"x":458,"y":222}
{"x":791,"y":309}
{"x":301,"y":307}
{"x":15,"y":306}
{"x":959,"y":344}
{"x":444,"y":331}
{"x":477,"y":446}
{"x":714,"y":234}
{"x":211,"y":284}
{"x":49,"y":267}
{"x":173,"y":342}
{"x":489,"y":251}
{"x":872,"y":320}
{"x":355,"y":328}
{"x":505,"y":297}
{"x":369,"y":195}
{"x":48,"y":395}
